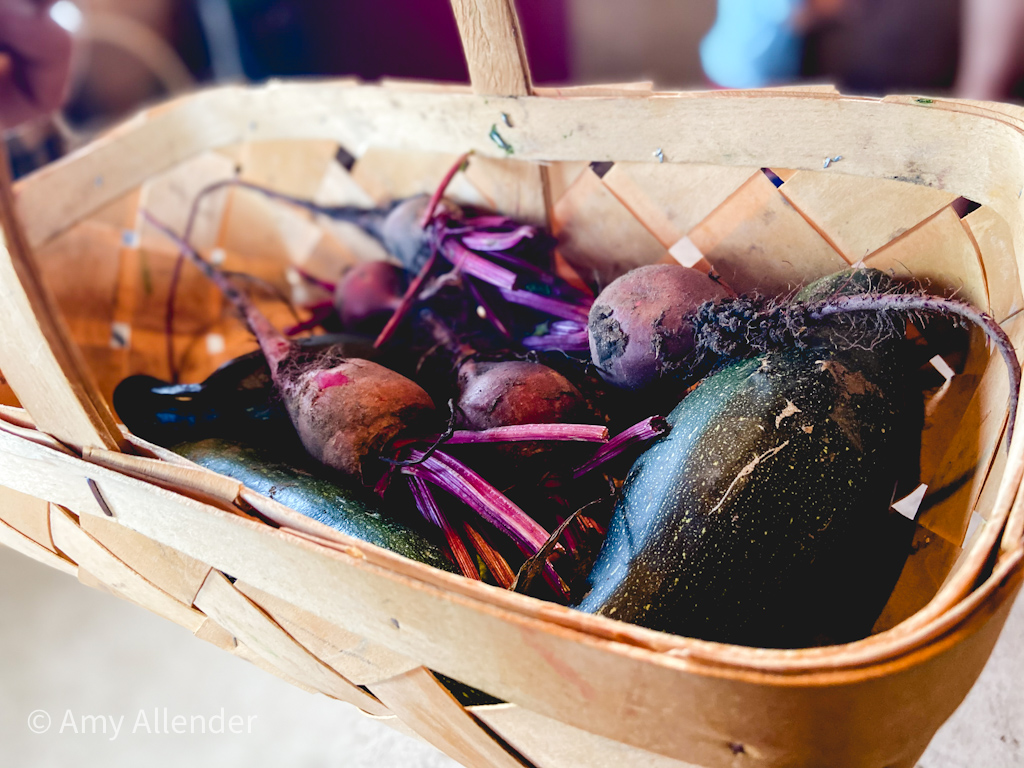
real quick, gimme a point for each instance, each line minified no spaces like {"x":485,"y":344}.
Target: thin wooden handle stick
{"x":492,"y":43}
{"x":37,"y":355}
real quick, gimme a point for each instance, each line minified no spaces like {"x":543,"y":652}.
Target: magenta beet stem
{"x":480,"y":240}
{"x":476,"y":265}
{"x":567,"y":335}
{"x":587,"y":433}
{"x":492,"y":316}
{"x":411,"y":293}
{"x":645,"y":430}
{"x":910,"y":302}
{"x":463,"y":483}
{"x":547,"y":304}
{"x":430,"y":509}
{"x":435,"y":199}
{"x":273,"y":343}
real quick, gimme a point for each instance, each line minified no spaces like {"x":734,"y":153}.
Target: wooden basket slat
{"x":422,"y":703}
{"x":760,"y":243}
{"x":991,"y":236}
{"x":348,"y":654}
{"x":547,"y":743}
{"x":858,"y":215}
{"x":671,"y":204}
{"x":219,"y":600}
{"x":28,"y":515}
{"x":94,"y":558}
{"x":175,"y":573}
{"x":19,"y":542}
{"x":690,"y":128}
{"x":932,"y":252}
{"x":598,"y":235}
{"x":37,"y":355}
{"x":48,"y":474}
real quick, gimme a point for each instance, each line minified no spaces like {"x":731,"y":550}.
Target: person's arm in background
{"x":992,"y":39}
{"x":35,"y":60}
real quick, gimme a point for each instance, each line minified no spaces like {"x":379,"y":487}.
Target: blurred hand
{"x":991,"y":57}
{"x":35,"y":60}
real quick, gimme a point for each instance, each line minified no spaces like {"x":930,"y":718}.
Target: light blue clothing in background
{"x":752,"y":44}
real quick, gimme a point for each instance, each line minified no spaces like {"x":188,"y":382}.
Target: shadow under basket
{"x":625,"y":177}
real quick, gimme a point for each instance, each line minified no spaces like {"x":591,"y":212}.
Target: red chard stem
{"x":638,"y":433}
{"x":430,"y":509}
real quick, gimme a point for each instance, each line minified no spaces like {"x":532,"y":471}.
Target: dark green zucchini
{"x":303,"y":486}
{"x":763,"y":517}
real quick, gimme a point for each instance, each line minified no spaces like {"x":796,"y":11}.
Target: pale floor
{"x":73,"y":652}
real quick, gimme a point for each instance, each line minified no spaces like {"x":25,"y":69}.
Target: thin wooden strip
{"x":759,"y":243}
{"x":859,"y":215}
{"x":492,"y":42}
{"x":19,"y":417}
{"x":39,"y":360}
{"x":598,"y":235}
{"x":955,"y":483}
{"x":348,"y":654}
{"x":198,"y":482}
{"x":422,"y":703}
{"x":242,"y":651}
{"x":548,"y":743}
{"x":175,"y":573}
{"x":289,"y":167}
{"x":991,"y":236}
{"x":219,"y":600}
{"x":669,"y":200}
{"x":29,"y":515}
{"x":93,"y":557}
{"x":639,"y":88}
{"x":19,"y":542}
{"x":940,"y":255}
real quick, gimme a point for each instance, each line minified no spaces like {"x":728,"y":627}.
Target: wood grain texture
{"x":28,"y":515}
{"x":493,"y":45}
{"x":219,"y":600}
{"x":94,"y":558}
{"x":882,"y":139}
{"x":547,"y":743}
{"x":422,"y":703}
{"x":37,"y":356}
{"x":759,"y":243}
{"x":19,"y":542}
{"x":175,"y":573}
{"x":349,"y":655}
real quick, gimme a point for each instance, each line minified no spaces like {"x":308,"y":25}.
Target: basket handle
{"x":493,"y":45}
{"x":37,"y":355}
{"x":492,"y":42}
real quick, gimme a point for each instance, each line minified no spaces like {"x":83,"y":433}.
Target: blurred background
{"x":129,"y":53}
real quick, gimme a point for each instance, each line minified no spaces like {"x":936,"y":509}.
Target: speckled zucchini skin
{"x":346,"y":508}
{"x":754,"y":519}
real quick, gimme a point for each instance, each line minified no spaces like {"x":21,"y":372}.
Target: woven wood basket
{"x":84,"y":285}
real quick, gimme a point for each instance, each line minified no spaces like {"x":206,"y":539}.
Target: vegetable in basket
{"x":761,"y":517}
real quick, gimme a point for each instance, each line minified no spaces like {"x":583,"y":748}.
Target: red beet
{"x":640,"y":325}
{"x":346,"y":411}
{"x":368,"y":294}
